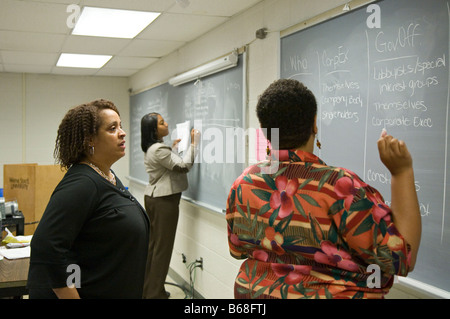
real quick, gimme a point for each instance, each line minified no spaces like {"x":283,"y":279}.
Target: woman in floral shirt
{"x":308,"y":230}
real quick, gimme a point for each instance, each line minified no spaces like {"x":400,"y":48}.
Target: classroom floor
{"x":176,"y":292}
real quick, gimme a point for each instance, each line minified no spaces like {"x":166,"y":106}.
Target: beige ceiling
{"x":33,"y":33}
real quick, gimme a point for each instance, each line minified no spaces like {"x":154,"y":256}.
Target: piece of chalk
{"x":383,"y":132}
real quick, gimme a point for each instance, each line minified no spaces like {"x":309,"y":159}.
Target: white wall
{"x":33,"y":105}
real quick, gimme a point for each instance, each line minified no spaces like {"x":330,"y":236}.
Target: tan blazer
{"x":167,"y":170}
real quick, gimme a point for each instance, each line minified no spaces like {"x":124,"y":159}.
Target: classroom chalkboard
{"x":215,"y":106}
{"x":385,"y":65}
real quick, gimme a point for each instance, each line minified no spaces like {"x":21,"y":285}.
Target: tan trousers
{"x":163,"y":212}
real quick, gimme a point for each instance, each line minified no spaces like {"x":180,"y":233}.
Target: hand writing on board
{"x":195,"y":136}
{"x":394,"y":154}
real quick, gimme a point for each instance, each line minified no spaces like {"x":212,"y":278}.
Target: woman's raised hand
{"x":394,"y":154}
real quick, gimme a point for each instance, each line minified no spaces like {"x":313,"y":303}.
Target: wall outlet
{"x":200,"y":262}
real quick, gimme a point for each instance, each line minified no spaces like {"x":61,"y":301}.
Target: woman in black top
{"x":92,"y":239}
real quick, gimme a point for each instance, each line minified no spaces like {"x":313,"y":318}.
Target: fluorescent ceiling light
{"x":82,"y":60}
{"x":112,"y":23}
{"x":215,"y":66}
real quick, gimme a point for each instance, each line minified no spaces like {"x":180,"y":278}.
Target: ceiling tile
{"x":33,"y":33}
{"x":180,"y":27}
{"x":31,"y":41}
{"x":222,"y":8}
{"x":144,"y":5}
{"x":73,"y":71}
{"x":67,"y":2}
{"x":94,"y":45}
{"x":150,"y":48}
{"x":27,"y":68}
{"x":130,"y":62}
{"x":33,"y":16}
{"x":28,"y":58}
{"x":116,"y":72}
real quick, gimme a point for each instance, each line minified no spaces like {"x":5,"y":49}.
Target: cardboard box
{"x":31,"y":185}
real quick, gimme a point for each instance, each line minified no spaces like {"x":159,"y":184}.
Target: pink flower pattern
{"x":309,"y":230}
{"x":335,"y":257}
{"x":282,"y":197}
{"x":347,"y":188}
{"x":294,"y":273}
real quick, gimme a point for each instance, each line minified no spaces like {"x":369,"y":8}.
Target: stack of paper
{"x":15,"y":253}
{"x":183,"y":133}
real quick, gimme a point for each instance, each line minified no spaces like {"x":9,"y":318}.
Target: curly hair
{"x":78,"y":126}
{"x":291,"y":107}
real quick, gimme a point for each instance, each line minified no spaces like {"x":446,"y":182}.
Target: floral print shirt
{"x":309,"y":230}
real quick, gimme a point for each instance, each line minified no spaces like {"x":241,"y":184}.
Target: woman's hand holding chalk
{"x":393,"y":153}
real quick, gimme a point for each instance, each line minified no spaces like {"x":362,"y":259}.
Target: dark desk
{"x":17,"y":222}
{"x":13,"y":277}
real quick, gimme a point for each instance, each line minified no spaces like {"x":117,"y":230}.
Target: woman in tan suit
{"x":167,"y":179}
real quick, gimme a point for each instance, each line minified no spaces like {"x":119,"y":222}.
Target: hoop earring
{"x":91,"y":150}
{"x":268,"y":149}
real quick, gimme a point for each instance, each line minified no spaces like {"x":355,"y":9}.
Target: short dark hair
{"x":78,"y":126}
{"x":291,"y":107}
{"x":149,"y":130}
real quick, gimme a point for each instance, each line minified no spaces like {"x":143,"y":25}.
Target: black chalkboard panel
{"x":215,"y":106}
{"x":385,"y":66}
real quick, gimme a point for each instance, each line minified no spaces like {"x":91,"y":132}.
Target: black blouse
{"x":100,"y":228}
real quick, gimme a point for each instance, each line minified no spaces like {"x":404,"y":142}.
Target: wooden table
{"x":13,"y":277}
